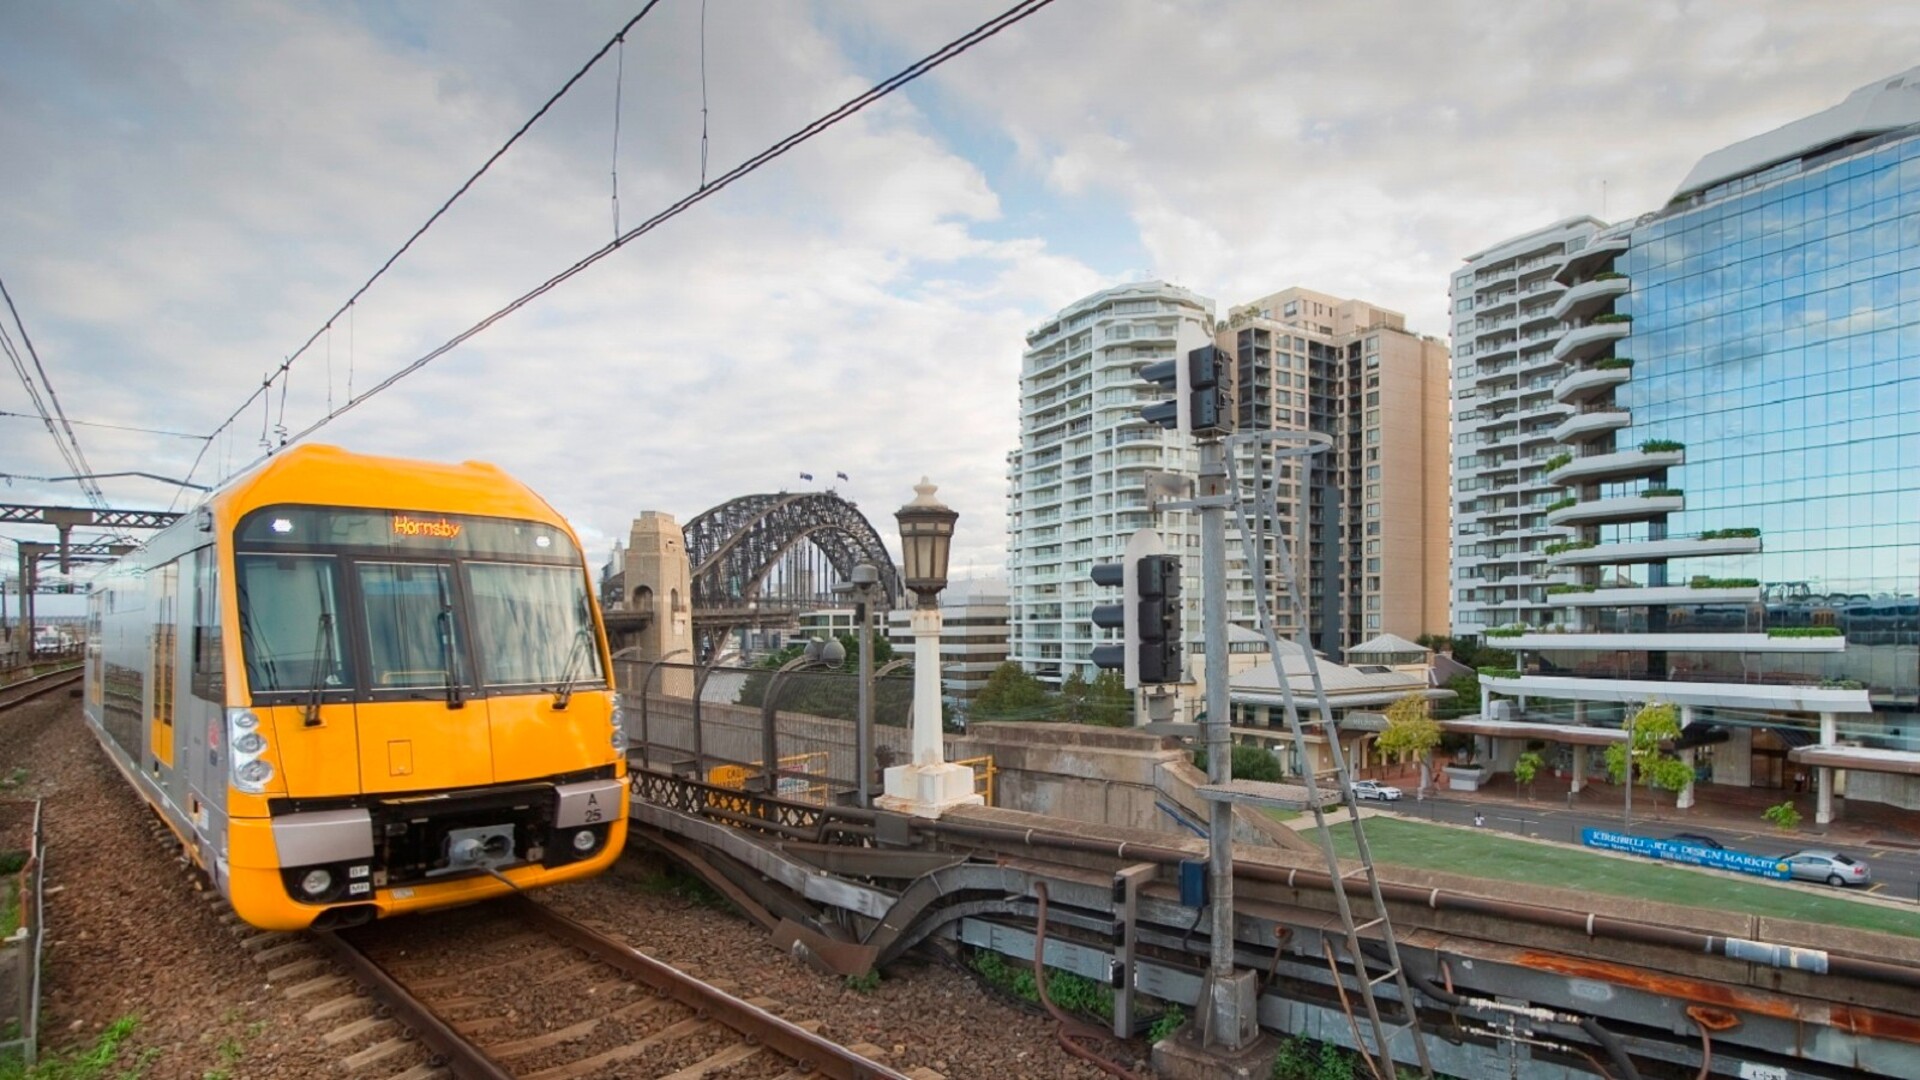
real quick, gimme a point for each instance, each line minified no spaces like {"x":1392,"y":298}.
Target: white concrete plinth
{"x":928,"y":790}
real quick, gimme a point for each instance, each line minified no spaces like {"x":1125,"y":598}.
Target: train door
{"x":163,"y":586}
{"x":423,"y":727}
{"x":200,"y":722}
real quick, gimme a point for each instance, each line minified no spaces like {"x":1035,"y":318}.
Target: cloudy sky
{"x":189,"y":189}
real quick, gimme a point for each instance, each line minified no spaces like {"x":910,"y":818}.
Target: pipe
{"x":1070,"y":1032}
{"x":1608,"y":1040}
{"x":1340,"y":987}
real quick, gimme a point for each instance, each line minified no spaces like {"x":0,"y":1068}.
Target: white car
{"x":1374,"y":789}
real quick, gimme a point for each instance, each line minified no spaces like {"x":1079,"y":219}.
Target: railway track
{"x":513,"y":989}
{"x":25,"y":690}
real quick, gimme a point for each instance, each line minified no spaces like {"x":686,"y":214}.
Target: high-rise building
{"x":1077,"y":482}
{"x":1375,"y":503}
{"x":1509,"y":315}
{"x":1741,"y":468}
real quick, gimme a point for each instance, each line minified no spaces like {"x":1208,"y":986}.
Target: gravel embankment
{"x":131,"y":936}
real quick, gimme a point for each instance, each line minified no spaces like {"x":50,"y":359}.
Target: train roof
{"x":315,"y":474}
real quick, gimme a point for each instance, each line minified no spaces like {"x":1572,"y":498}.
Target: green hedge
{"x":1612,"y":317}
{"x":1608,"y":275}
{"x":1655,"y":446}
{"x":1613,"y":363}
{"x":1557,"y":590}
{"x":1506,"y":631}
{"x":1742,"y":533}
{"x":1803,"y":631}
{"x":1701,"y":581}
{"x":1555,"y":462}
{"x":1661,"y":493}
{"x":1499,"y":673}
{"x":1559,"y":546}
{"x":1560,"y":504}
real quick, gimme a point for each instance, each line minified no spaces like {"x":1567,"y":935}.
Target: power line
{"x":951,"y":49}
{"x":111,"y":427}
{"x":94,"y":494}
{"x":267,"y":382}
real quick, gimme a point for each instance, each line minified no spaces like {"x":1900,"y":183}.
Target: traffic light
{"x":1199,"y":401}
{"x":1148,"y":615}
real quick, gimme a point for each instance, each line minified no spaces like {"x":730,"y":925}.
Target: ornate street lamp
{"x":928,"y":785}
{"x":926,"y":542}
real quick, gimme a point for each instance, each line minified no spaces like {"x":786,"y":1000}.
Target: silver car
{"x":1832,"y":867}
{"x":1374,"y":789}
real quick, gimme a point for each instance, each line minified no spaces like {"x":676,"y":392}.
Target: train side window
{"x":209,"y":670}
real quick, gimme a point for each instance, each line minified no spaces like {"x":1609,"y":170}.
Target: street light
{"x":928,"y":785}
{"x":818,"y":653}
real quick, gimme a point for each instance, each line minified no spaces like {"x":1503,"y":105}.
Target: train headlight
{"x":316,"y":883}
{"x":247,"y":742}
{"x":619,"y":729}
{"x":584,"y":841}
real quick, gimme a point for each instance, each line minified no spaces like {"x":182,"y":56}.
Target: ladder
{"x":1253,"y":525}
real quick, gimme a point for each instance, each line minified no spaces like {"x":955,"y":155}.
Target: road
{"x":1896,"y":873}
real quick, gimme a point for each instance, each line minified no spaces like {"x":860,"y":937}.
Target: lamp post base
{"x":928,"y":790}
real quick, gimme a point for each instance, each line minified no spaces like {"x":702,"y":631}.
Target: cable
{"x":618,"y":36}
{"x":94,"y":494}
{"x":961,"y":44}
{"x":111,"y":427}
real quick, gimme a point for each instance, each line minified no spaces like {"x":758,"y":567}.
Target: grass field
{"x":1504,"y":858}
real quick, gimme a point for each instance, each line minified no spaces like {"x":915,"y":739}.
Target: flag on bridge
{"x":844,"y":476}
{"x":806,"y":476}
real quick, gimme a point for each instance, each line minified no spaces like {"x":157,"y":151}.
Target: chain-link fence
{"x":721,"y":724}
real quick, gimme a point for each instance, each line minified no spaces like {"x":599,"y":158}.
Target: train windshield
{"x":533,"y":625}
{"x":413,"y":638}
{"x":289,"y":623}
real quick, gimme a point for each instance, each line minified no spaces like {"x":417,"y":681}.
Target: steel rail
{"x":460,"y":1054}
{"x":814,"y":1053}
{"x":53,"y":680}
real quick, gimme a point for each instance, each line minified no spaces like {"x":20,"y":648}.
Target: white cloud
{"x":191,"y":193}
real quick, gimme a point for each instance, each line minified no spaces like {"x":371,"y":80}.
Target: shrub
{"x":1248,"y":763}
{"x":1742,"y":533}
{"x":1784,"y":816}
{"x":1560,"y":504}
{"x":1612,"y":317}
{"x":1506,"y":631}
{"x":1608,"y":275}
{"x":1499,"y":673}
{"x":1803,"y":631}
{"x":1702,"y":581}
{"x":1842,"y":684}
{"x":1662,"y":493}
{"x":1559,"y":546}
{"x":1558,"y":590}
{"x":1613,"y":363}
{"x":1555,"y":462}
{"x":1655,"y":446}
{"x":1166,"y":1023}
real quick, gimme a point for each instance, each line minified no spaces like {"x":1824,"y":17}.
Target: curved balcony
{"x":1583,"y":425}
{"x":1592,"y":339}
{"x":1772,"y":697}
{"x":1622,"y":464}
{"x":1591,"y":259}
{"x":1647,"y":551}
{"x":1623,"y":508}
{"x":1590,"y":298}
{"x":1658,"y":596}
{"x":1589,"y":383}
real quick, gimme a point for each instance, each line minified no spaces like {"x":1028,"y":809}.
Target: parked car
{"x":1697,"y":840}
{"x":1374,"y":789}
{"x":1832,"y":867}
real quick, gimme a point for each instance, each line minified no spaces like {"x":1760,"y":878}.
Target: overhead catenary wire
{"x":959,"y":45}
{"x":63,"y":436}
{"x":4,"y":414}
{"x":347,"y":307}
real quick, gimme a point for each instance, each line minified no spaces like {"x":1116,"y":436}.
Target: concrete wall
{"x":1888,"y":788}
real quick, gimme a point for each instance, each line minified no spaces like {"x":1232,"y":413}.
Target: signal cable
{"x":265,"y":385}
{"x":961,"y":44}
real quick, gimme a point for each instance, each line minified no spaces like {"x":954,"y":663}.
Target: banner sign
{"x":1767,"y":866}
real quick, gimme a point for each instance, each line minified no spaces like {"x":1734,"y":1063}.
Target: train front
{"x":427,"y":718}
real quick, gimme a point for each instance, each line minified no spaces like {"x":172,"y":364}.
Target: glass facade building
{"x":1739,"y":465}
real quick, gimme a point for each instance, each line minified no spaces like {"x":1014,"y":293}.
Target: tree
{"x":1109,"y":702}
{"x":1411,"y":735}
{"x":1647,"y":728}
{"x":1012,"y":694}
{"x":1466,"y":698}
{"x":1525,"y":768}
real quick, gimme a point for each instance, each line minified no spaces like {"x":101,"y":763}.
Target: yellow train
{"x":359,"y":686}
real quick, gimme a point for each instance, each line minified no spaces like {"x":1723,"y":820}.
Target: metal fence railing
{"x":22,"y":930}
{"x":722,"y":724}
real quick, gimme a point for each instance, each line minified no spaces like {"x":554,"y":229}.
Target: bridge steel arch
{"x":737,"y":545}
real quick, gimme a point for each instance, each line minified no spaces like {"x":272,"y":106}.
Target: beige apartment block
{"x":1375,"y":506}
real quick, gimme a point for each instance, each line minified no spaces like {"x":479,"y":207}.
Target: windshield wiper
{"x":563,"y":694}
{"x":322,"y":668}
{"x":445,"y":618}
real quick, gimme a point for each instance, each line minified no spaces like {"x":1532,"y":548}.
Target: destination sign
{"x":320,"y":528}
{"x":1767,"y":866}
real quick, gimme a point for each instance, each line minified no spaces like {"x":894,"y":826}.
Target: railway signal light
{"x":1199,"y":389}
{"x":1148,"y":615}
